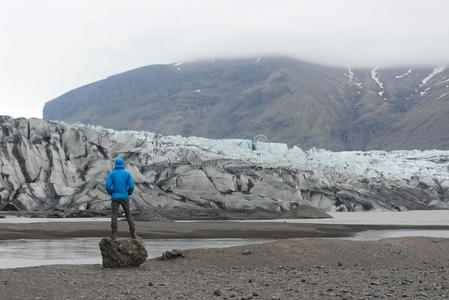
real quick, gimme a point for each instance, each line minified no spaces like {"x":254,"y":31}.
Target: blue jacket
{"x":120,"y":183}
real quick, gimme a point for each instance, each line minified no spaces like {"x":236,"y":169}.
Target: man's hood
{"x":119,"y":163}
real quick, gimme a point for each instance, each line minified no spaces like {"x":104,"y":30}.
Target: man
{"x":120,"y":186}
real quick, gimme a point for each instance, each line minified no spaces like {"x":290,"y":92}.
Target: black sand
{"x":414,"y":268}
{"x":212,"y":229}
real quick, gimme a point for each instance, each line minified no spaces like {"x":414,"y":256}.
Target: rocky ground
{"x":299,"y":212}
{"x":414,"y":268}
{"x":168,"y":229}
{"x":204,"y":229}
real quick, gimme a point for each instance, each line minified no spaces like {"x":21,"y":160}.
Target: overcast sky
{"x":50,"y":47}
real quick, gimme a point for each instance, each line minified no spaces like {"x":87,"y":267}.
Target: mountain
{"x":284,"y":99}
{"x":56,"y":166}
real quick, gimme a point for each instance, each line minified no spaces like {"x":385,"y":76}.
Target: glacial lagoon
{"x":30,"y":252}
{"x":34,"y":252}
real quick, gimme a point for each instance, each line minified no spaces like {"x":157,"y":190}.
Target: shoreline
{"x":186,"y":230}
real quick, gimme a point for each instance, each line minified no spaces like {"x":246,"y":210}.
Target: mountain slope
{"x":284,"y":99}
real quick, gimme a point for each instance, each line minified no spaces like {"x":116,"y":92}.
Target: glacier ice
{"x":53,"y":165}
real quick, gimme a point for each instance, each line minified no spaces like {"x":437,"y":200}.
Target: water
{"x":374,"y":235}
{"x":31,"y":252}
{"x":24,"y":220}
{"x":413,"y":217}
{"x":27,"y":252}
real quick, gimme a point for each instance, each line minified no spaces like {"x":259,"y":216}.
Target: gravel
{"x":415,"y":268}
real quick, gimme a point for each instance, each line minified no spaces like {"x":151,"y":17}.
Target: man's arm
{"x":130,"y":185}
{"x":109,"y":184}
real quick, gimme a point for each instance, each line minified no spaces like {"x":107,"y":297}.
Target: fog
{"x":50,"y":47}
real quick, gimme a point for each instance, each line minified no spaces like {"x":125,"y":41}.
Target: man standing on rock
{"x":120,"y":186}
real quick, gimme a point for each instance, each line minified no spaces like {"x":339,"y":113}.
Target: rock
{"x":55,"y":215}
{"x":85,"y":214}
{"x":246,"y":252}
{"x":122,"y":253}
{"x":167,"y":255}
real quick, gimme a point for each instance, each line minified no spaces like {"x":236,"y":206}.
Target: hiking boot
{"x":133,"y":235}
{"x":113,"y":235}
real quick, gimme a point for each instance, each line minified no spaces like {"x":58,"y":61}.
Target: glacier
{"x":52,"y":165}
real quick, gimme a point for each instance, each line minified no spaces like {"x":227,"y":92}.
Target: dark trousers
{"x":129,"y":217}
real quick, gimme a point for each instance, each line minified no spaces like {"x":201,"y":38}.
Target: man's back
{"x":120,"y":183}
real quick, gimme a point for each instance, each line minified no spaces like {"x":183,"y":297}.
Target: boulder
{"x":122,"y":253}
{"x":167,"y":255}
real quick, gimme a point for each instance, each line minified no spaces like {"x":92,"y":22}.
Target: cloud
{"x":50,"y":47}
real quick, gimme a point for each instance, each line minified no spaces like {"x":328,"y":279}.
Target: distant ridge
{"x":286,"y":100}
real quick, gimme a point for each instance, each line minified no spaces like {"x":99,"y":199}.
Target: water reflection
{"x":374,"y":235}
{"x":413,"y":217}
{"x":29,"y":252}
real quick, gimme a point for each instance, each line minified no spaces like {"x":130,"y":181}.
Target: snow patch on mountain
{"x":436,"y":70}
{"x":441,"y":82}
{"x":377,"y":80}
{"x":178,"y":65}
{"x":350,"y":76}
{"x":422,"y":93}
{"x":442,"y":95}
{"x":405,"y":74}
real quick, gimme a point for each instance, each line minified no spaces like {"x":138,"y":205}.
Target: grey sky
{"x":49,"y":47}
